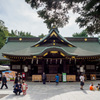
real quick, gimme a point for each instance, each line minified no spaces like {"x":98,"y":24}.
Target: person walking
{"x":44,"y":78}
{"x":81,"y":81}
{"x":4,"y":82}
{"x":57,"y":79}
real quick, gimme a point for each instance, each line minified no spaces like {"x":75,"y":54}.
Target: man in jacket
{"x":4,"y":82}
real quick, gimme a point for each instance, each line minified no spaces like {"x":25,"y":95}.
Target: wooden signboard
{"x":36,"y":78}
{"x":92,"y":76}
{"x":51,"y":77}
{"x":71,"y":77}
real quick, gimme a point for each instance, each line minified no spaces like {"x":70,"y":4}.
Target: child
{"x":24,"y":88}
{"x":98,"y":87}
{"x":92,"y":87}
{"x":57,"y":79}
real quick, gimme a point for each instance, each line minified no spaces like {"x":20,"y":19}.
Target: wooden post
{"x":64,"y":66}
{"x":43,"y":63}
{"x":10,"y":65}
{"x":21,"y":67}
{"x":67,"y":69}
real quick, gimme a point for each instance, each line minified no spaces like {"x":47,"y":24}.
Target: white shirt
{"x":82,"y":78}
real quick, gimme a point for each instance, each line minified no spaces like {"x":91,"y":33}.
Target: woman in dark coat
{"x":44,"y":78}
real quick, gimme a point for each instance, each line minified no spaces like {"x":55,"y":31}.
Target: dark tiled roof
{"x":27,"y":46}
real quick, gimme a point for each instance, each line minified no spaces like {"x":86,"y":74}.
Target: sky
{"x":18,"y":15}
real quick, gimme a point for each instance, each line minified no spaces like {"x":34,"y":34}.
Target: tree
{"x":90,"y":16}
{"x":3,"y":33}
{"x":56,"y":12}
{"x":52,"y":11}
{"x":20,"y":33}
{"x":81,"y":34}
{"x":41,"y":36}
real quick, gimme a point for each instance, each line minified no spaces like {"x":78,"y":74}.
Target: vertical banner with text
{"x":64,"y":77}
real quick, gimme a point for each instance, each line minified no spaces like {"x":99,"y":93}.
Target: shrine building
{"x":53,"y":54}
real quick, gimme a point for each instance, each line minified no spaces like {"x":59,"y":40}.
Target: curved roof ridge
{"x":57,"y":32}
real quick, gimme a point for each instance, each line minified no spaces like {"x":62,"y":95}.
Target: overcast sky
{"x":18,"y":15}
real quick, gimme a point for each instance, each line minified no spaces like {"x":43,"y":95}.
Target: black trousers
{"x":3,"y":85}
{"x":44,"y":81}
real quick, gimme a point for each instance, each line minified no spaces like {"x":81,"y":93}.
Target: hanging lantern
{"x":60,"y":61}
{"x":75,"y":61}
{"x":69,"y":60}
{"x":56,"y":61}
{"x":37,"y":61}
{"x":32,"y":61}
{"x":50,"y":61}
{"x":47,"y":61}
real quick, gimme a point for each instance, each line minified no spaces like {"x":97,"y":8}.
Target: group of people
{"x":19,"y":85}
{"x":44,"y":78}
{"x":92,"y":87}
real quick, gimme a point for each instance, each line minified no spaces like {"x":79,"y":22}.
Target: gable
{"x":53,"y":39}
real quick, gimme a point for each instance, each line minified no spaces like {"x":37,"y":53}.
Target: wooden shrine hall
{"x":53,"y":54}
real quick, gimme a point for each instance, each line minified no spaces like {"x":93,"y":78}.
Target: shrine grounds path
{"x":64,"y":91}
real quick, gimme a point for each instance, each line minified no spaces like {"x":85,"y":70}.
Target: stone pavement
{"x":64,"y":91}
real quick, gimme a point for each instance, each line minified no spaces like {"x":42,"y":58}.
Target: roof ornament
{"x":54,"y":25}
{"x":85,"y":39}
{"x":20,"y":39}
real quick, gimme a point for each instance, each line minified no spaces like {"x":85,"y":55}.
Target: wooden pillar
{"x":43,"y":64}
{"x":67,"y":69}
{"x":21,"y":67}
{"x":64,"y":66}
{"x":10,"y":65}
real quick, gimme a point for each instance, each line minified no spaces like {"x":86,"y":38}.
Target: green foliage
{"x":41,"y":36}
{"x":56,"y":12}
{"x":3,"y":33}
{"x":4,"y":62}
{"x":12,"y":79}
{"x":90,"y":16}
{"x":53,"y":11}
{"x":20,"y":34}
{"x":81,"y":34}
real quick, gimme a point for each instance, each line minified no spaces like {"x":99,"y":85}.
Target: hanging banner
{"x":64,"y":77}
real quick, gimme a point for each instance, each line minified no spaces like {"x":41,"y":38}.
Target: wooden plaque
{"x":36,"y":78}
{"x":71,"y":77}
{"x":92,"y":76}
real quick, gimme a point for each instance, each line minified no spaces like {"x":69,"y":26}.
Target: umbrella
{"x":6,"y":71}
